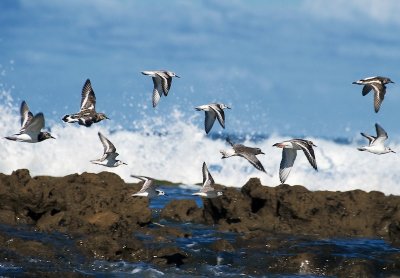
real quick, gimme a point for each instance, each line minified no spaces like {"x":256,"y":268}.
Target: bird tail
{"x":12,"y":138}
{"x":225,"y":154}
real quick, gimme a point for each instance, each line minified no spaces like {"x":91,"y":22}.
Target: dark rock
{"x":169,"y":255}
{"x":182,"y":210}
{"x":222,"y":245}
{"x":296,"y":210}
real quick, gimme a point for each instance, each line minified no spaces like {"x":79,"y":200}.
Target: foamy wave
{"x":173,"y":148}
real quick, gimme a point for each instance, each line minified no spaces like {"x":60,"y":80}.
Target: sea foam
{"x":173,"y":148}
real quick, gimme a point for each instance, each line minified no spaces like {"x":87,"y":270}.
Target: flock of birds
{"x":31,"y":132}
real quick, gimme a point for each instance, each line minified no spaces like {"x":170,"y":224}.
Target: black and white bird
{"x":148,"y":188}
{"x":248,"y":153}
{"x":376,"y":83}
{"x":289,"y":153}
{"x":207,"y":190}
{"x":31,"y":127}
{"x":376,"y":143}
{"x":162,"y":80}
{"x":87,"y":115}
{"x":110,"y":154}
{"x":213,"y":111}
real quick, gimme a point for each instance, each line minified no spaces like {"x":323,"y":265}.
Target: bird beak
{"x":228,"y":107}
{"x":354,"y":82}
{"x":124,"y":163}
{"x":108,"y":118}
{"x":52,"y":137}
{"x":177,"y":76}
{"x":278,"y":145}
{"x":391,"y":81}
{"x":262,"y":153}
{"x":393,"y":151}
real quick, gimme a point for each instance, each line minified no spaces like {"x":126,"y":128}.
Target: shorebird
{"x":377,"y":83}
{"x":208,"y":189}
{"x":289,"y":153}
{"x":87,"y":115}
{"x":376,"y":143}
{"x":246,"y":152}
{"x":110,"y":154}
{"x":213,"y":111}
{"x":148,"y":188}
{"x":30,"y":127}
{"x":162,"y":80}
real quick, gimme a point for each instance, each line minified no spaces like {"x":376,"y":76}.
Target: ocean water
{"x":173,"y":147}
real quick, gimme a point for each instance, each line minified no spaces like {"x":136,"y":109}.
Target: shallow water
{"x":251,"y":261}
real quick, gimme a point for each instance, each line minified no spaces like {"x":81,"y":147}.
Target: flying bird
{"x":213,"y":111}
{"x":162,"y":80}
{"x":148,"y":188}
{"x":207,"y":189}
{"x":376,"y":83}
{"x":376,"y":143}
{"x":246,"y":152}
{"x":87,"y":115}
{"x":289,"y":153}
{"x":31,"y":126}
{"x":110,"y":154}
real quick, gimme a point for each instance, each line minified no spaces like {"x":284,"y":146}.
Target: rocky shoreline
{"x":104,"y":222}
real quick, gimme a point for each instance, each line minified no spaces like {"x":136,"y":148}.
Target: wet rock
{"x":25,"y":248}
{"x":104,"y":247}
{"x":182,"y":210}
{"x":296,"y":210}
{"x":222,"y":245}
{"x":98,"y":205}
{"x":76,"y":204}
{"x":162,"y":234}
{"x":169,"y":256}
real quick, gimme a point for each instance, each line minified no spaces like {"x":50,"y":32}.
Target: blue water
{"x":211,"y":263}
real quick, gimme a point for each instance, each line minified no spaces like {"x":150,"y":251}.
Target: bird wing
{"x":379,"y":94}
{"x":370,"y":138}
{"x":229,"y":141}
{"x":147,"y":183}
{"x":209,"y":120}
{"x":35,"y":125}
{"x":366,"y":89}
{"x":288,"y":158}
{"x":26,"y":116}
{"x":208,"y":180}
{"x":88,"y":101}
{"x":165,"y":82}
{"x":253,"y":160}
{"x":108,"y":146}
{"x":381,"y":134}
{"x":156,"y":91}
{"x":308,"y":151}
{"x":219,"y":113}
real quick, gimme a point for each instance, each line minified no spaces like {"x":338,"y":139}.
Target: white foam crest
{"x":173,"y":148}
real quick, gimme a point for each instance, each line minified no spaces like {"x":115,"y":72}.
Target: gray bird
{"x":162,"y":80}
{"x":31,"y":126}
{"x":213,"y":111}
{"x":207,"y":190}
{"x":289,"y":153}
{"x":246,"y":152}
{"x":376,"y":83}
